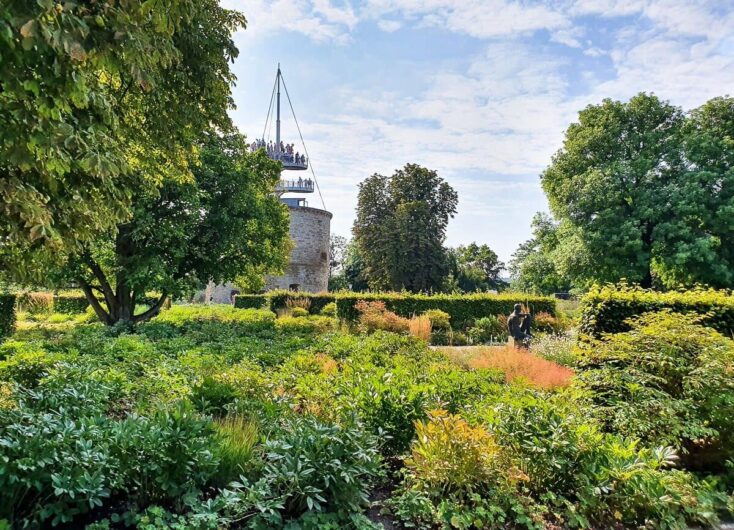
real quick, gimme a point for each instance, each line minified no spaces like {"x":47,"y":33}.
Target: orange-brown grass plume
{"x":421,"y":327}
{"x":515,"y":363}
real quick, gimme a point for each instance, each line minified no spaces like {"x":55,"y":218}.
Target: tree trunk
{"x":647,"y":279}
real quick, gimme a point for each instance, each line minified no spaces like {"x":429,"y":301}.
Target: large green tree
{"x":99,"y":99}
{"x":648,"y":191}
{"x":401,"y":226}
{"x":612,"y":178}
{"x":217,"y":226}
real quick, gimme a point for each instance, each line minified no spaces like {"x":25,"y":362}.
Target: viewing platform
{"x":295,"y":186}
{"x":289,"y":160}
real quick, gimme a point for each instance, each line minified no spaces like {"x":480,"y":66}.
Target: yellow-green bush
{"x":449,"y":456}
{"x":440,"y":320}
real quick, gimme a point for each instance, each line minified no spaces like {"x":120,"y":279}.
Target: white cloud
{"x":389,"y":26}
{"x":318,"y":20}
{"x":477,"y":18}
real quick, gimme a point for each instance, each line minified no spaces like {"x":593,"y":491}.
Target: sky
{"x":479,"y":90}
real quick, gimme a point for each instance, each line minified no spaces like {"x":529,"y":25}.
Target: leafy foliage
{"x":100,"y":101}
{"x":476,"y":268}
{"x":450,"y":457}
{"x":645,"y":189}
{"x":666,"y":381}
{"x":185,"y":234}
{"x":152,"y":427}
{"x":400,"y":228}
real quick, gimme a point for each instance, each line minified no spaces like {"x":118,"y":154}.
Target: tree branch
{"x":106,"y":288}
{"x":98,"y":309}
{"x":152,"y":312}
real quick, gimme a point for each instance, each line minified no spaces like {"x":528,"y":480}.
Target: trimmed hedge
{"x":605,"y":309}
{"x":464,"y":309}
{"x":250,"y":301}
{"x":7,"y":315}
{"x":71,"y":304}
{"x":279,"y":300}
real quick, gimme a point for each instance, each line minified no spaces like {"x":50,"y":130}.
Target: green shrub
{"x":329,"y":309}
{"x":308,"y":466}
{"x":440,"y":320}
{"x":667,"y":381}
{"x":490,"y":328}
{"x":7,"y":315}
{"x":598,"y":480}
{"x":441,"y":337}
{"x":607,"y":309}
{"x":70,"y":303}
{"x":464,"y":309}
{"x":250,"y":301}
{"x":163,"y":457}
{"x":54,"y":456}
{"x":299,"y":312}
{"x":25,"y":363}
{"x":459,"y":338}
{"x":389,"y":401}
{"x":245,"y":381}
{"x":245,"y":320}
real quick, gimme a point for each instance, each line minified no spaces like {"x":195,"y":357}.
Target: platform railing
{"x":304,"y":186}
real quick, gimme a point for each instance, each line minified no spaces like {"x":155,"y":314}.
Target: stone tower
{"x":310,"y":229}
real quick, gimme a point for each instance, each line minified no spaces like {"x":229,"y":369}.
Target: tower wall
{"x":308,"y":267}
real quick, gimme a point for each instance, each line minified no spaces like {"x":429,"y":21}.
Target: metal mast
{"x":277,"y":121}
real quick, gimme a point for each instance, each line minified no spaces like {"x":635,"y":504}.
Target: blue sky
{"x":479,"y":90}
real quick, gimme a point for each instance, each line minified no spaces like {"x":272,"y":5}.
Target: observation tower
{"x":310,"y":227}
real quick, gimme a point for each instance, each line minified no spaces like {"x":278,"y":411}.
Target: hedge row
{"x":605,"y":309}
{"x":70,"y":303}
{"x":276,"y":300}
{"x":7,"y":315}
{"x":250,"y":301}
{"x":464,"y":309}
{"x":74,"y":303}
{"x":317,"y":301}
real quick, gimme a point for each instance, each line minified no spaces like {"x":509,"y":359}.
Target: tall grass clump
{"x":420,"y":327}
{"x":236,"y":438}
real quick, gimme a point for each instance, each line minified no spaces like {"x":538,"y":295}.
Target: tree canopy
{"x":401,"y":226}
{"x":216,"y":227}
{"x":476,"y":268}
{"x":647,"y":191}
{"x":99,"y":100}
